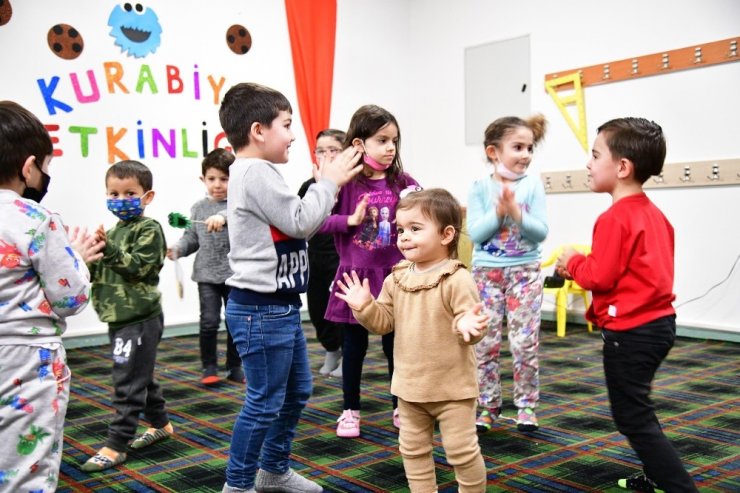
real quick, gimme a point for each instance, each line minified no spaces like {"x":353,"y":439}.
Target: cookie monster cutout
{"x":136,"y":30}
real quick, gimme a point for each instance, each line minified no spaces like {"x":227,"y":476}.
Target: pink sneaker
{"x":396,"y":419}
{"x":349,"y":424}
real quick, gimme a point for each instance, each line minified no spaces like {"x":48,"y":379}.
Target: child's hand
{"x":356,"y":294}
{"x":561,"y":266}
{"x":316,"y":168}
{"x":86,"y":245}
{"x":215,"y":223}
{"x":172,"y":253}
{"x":359,"y":215}
{"x":473,"y":323}
{"x":100,"y":234}
{"x":342,"y":168}
{"x":508,"y":205}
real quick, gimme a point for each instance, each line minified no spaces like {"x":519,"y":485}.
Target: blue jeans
{"x":272,"y":347}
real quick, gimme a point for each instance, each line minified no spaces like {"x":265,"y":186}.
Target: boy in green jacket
{"x":126,"y":296}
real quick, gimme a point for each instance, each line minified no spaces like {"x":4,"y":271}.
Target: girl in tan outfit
{"x":432,"y":304}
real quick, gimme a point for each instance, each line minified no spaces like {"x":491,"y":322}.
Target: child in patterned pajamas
{"x":42,"y":280}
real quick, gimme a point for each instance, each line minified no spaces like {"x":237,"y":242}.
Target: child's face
{"x":602,"y":167}
{"x":515,"y":150}
{"x":125,"y":188}
{"x":327,"y":148}
{"x":382,"y":145}
{"x":217,"y":183}
{"x":277,"y":138}
{"x":420,"y":239}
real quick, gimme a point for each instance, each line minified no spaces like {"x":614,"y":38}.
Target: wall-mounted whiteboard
{"x":496,"y":84}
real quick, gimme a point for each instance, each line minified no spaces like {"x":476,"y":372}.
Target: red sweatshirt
{"x":630,"y":268}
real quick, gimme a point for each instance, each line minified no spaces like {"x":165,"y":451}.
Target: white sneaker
{"x":337,"y":372}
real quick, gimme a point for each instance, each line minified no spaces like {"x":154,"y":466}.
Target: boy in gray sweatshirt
{"x":268,"y":227}
{"x":209,"y":237}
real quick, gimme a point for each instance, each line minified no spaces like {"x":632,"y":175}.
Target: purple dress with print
{"x":369,"y":248}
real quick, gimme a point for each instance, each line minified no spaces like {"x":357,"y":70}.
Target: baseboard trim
{"x":681,"y":330}
{"x":71,"y":342}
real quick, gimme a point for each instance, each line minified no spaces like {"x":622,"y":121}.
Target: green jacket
{"x":125,"y":281}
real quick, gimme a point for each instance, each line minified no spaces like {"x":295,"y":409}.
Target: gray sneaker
{"x":232,"y":489}
{"x":288,"y":482}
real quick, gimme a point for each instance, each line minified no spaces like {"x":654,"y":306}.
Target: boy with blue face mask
{"x":126,"y":297}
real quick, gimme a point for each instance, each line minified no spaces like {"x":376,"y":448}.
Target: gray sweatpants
{"x":135,"y":390}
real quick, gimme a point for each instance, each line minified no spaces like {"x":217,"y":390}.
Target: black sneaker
{"x":210,"y":376}
{"x":236,"y":375}
{"x":639,"y":482}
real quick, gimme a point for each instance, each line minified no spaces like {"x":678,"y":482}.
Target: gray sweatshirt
{"x":211,"y":263}
{"x":268,"y":225}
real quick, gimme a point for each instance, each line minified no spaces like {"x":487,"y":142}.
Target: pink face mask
{"x":372,"y":162}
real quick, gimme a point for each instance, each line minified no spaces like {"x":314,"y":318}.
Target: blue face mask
{"x":126,"y":209}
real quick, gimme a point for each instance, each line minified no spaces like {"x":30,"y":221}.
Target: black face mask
{"x":34,"y":194}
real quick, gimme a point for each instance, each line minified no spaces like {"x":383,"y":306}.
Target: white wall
{"x":193,"y":33}
{"x":697,"y":109}
{"x":408,"y":57}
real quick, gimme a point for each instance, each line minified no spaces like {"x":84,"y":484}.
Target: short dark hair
{"x":338,"y":135}
{"x":219,"y":159}
{"x":131,"y":169}
{"x":440,"y":206}
{"x":21,"y":135}
{"x":245,"y":104}
{"x":639,"y":140}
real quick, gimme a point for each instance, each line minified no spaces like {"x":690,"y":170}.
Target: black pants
{"x":212,"y":296}
{"x":354,"y":351}
{"x":323,"y":269}
{"x":631,"y":359}
{"x":135,"y":390}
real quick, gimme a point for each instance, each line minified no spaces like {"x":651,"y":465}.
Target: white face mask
{"x":506,"y":173}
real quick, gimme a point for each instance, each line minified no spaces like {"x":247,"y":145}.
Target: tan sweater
{"x":432,"y":361}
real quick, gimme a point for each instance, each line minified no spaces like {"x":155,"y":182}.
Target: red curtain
{"x":312,"y":28}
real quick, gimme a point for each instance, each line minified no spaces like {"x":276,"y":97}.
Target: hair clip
{"x":409,"y":189}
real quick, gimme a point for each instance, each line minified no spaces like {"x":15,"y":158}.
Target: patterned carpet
{"x":576,"y":449}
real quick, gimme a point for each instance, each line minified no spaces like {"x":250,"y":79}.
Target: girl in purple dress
{"x":375,"y":131}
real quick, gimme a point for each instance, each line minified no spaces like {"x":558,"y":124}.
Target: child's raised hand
{"x":342,"y":168}
{"x":87,"y":245}
{"x":355,"y":293}
{"x":508,"y":205}
{"x":473,"y":322}
{"x":215,"y":223}
{"x":100,"y":234}
{"x":171,"y":253}
{"x":561,"y":266}
{"x":316,"y":168}
{"x":359,"y":215}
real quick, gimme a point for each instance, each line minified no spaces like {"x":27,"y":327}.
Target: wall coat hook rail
{"x":674,"y":175}
{"x":702,"y":55}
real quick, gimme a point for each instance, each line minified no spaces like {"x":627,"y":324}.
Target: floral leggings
{"x":517,"y":293}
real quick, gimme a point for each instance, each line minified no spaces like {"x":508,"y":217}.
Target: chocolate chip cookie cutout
{"x":238,"y":39}
{"x":6,"y":12}
{"x":65,"y":41}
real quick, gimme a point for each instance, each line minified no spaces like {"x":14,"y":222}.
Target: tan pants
{"x":459,"y":438}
